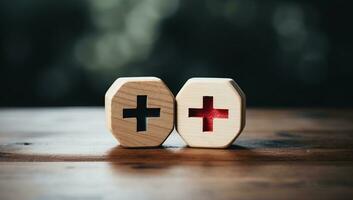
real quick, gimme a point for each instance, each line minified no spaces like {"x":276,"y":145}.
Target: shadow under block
{"x":210,"y":112}
{"x":139,"y":111}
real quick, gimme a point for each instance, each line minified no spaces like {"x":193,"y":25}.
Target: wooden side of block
{"x":210,"y":112}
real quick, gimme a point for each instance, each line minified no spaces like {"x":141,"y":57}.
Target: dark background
{"x":281,"y":53}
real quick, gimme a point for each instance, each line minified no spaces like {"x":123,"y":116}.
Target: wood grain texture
{"x":156,"y":180}
{"x":226,"y":95}
{"x":67,"y":153}
{"x":123,"y":95}
{"x":79,"y":134}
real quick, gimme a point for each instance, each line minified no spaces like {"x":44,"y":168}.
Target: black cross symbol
{"x":141,"y":112}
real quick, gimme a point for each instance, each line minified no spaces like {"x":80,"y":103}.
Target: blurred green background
{"x":282,"y":53}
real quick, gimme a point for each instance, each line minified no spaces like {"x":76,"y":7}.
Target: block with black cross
{"x":139,"y":111}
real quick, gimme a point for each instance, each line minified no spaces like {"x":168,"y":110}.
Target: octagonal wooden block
{"x":210,"y":112}
{"x":139,"y":111}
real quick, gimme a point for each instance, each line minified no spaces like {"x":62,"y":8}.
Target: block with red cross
{"x":210,"y":112}
{"x":139,"y":111}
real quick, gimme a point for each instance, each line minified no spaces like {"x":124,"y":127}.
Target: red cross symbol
{"x":208,"y":113}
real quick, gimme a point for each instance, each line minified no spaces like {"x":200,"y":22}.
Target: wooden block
{"x":139,"y":111}
{"x":210,"y":112}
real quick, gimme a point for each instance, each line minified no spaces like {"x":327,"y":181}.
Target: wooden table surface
{"x":67,"y":153}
